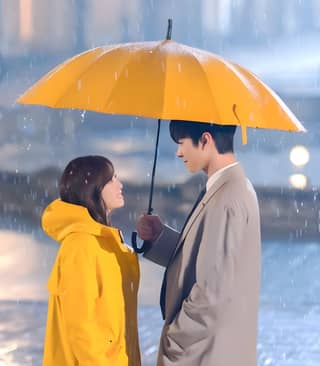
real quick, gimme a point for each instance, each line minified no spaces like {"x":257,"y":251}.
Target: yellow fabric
{"x":92,"y":310}
{"x":165,"y":80}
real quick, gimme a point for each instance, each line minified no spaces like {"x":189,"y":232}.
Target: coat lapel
{"x":232,"y":172}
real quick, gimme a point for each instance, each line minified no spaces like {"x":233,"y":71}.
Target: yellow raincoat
{"x":92,"y":310}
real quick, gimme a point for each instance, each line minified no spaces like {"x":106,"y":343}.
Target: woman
{"x":92,"y":311}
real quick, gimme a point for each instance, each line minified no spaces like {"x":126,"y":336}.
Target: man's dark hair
{"x":82,"y":182}
{"x":222,"y":134}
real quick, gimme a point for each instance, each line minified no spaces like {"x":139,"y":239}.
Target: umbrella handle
{"x":145,"y":245}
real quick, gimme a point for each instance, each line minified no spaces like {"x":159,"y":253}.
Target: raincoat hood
{"x":60,"y":219}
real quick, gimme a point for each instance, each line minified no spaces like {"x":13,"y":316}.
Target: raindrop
{"x":184,"y":104}
{"x":79,"y":84}
{"x":116,"y":75}
{"x":268,"y":361}
{"x":82,"y":116}
{"x":179,"y":67}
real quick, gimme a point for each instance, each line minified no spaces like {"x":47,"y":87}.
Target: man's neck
{"x":220,"y":162}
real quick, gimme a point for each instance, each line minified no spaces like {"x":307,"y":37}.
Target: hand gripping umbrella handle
{"x":144,"y":247}
{"x":147,"y":244}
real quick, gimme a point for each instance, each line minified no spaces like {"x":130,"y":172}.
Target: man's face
{"x":192,"y":155}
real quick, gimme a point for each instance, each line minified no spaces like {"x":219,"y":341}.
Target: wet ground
{"x":287,"y":337}
{"x":289,"y":318}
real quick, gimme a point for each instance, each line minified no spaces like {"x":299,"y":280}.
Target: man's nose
{"x":179,"y":152}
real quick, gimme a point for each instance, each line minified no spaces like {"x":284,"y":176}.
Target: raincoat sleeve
{"x":78,"y":293}
{"x":161,"y":249}
{"x":192,"y":330}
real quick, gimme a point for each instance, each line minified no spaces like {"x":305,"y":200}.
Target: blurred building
{"x":258,"y":20}
{"x":48,"y":27}
{"x":62,"y":26}
{"x":276,"y":39}
{"x":35,"y":26}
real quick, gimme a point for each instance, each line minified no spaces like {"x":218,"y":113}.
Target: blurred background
{"x":276,"y":39}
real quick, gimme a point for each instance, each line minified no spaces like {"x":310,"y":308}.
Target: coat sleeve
{"x":78,"y":291}
{"x":192,"y":331}
{"x":161,"y":249}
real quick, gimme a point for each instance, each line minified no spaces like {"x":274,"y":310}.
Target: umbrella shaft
{"x":150,"y":209}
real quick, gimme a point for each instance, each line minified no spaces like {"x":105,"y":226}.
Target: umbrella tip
{"x":169,"y":30}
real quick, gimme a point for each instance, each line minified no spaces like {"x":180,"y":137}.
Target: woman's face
{"x":112,"y":194}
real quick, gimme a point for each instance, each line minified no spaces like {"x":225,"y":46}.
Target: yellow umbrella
{"x":163,"y":80}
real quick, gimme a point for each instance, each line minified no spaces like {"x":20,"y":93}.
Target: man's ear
{"x":205,"y":138}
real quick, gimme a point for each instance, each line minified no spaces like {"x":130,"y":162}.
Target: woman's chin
{"x":121,"y":202}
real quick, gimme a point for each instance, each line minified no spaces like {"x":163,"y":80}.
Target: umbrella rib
{"x":282,"y":104}
{"x":206,"y":80}
{"x":165,"y":81}
{"x":82,"y":73}
{"x":122,"y":70}
{"x":115,"y":84}
{"x":209,"y":87}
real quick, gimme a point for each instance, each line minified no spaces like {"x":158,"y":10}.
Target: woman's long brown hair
{"x":82,"y":182}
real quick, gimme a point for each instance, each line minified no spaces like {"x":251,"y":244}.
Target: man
{"x":210,"y":292}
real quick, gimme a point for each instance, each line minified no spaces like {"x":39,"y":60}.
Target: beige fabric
{"x":213,"y":278}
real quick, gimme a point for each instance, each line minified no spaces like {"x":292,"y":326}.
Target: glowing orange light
{"x":26,"y":19}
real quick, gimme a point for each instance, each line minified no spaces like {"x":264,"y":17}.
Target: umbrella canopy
{"x":165,"y":80}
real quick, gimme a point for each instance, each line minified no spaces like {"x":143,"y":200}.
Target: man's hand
{"x":149,"y":227}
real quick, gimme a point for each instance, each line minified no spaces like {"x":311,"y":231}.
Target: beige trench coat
{"x":212,"y":279}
